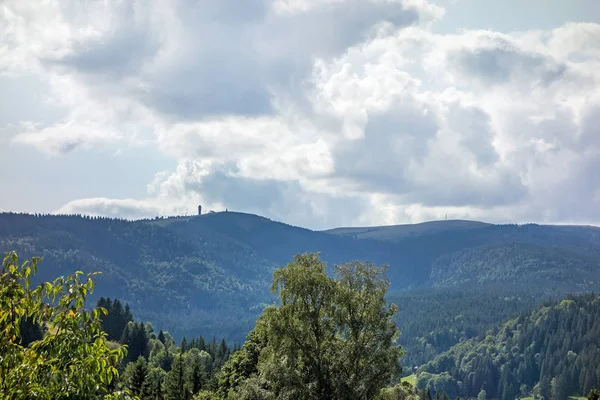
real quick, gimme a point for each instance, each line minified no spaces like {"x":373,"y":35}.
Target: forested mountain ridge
{"x":396,"y":233}
{"x":551,"y":352}
{"x":435,"y":319}
{"x":210,"y":275}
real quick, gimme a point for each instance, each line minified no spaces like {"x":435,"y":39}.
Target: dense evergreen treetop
{"x":552,"y":352}
{"x":435,"y":319}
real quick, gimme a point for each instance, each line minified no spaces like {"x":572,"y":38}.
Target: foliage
{"x":165,"y":370}
{"x":551,"y":352}
{"x":136,"y":377}
{"x":243,"y":364}
{"x":435,"y":319}
{"x":136,"y":338}
{"x":330,"y":338}
{"x":116,"y":319}
{"x":175,"y":387}
{"x":210,"y":275}
{"x":73,"y":360}
{"x":404,"y":391}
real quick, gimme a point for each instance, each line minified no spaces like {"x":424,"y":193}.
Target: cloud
{"x":194,"y":182}
{"x":66,"y":136}
{"x":318,"y":112}
{"x":496,"y":59}
{"x":575,"y":40}
{"x":116,"y":208}
{"x":189,"y":59}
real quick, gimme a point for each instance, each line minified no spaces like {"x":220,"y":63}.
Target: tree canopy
{"x":329,"y":337}
{"x":73,"y":360}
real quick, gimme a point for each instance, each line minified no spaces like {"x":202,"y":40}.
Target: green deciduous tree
{"x":330,"y":338}
{"x":244,"y":363}
{"x":73,"y":360}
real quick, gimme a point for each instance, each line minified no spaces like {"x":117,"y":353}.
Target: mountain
{"x":211,"y":274}
{"x":552,"y":352}
{"x":432,"y":320}
{"x":396,"y":233}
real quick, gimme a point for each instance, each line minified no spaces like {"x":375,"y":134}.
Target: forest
{"x":210,"y":275}
{"x":327,"y":337}
{"x":552,"y":353}
{"x":204,"y":284}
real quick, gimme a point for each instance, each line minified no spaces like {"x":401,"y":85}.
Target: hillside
{"x":396,"y":233}
{"x":551,"y":352}
{"x":211,"y":274}
{"x":432,"y":320}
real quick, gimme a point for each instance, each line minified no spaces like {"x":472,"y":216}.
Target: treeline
{"x":551,"y":353}
{"x":169,"y":371}
{"x":90,"y":217}
{"x":329,"y":338}
{"x":434,"y":320}
{"x":187,"y":284}
{"x":155,"y":367}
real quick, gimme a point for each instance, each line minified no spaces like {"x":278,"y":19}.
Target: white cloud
{"x":116,"y":208}
{"x":319,"y":112}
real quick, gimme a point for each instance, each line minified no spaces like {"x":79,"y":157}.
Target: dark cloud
{"x":473,"y":126}
{"x":281,"y":200}
{"x":575,"y":197}
{"x":500,"y":61}
{"x":242,"y":193}
{"x":125,"y":45}
{"x":210,"y":58}
{"x":493,"y":189}
{"x":331,"y":29}
{"x":211,"y":89}
{"x":392,"y":140}
{"x":590,"y":128}
{"x":409,"y":153}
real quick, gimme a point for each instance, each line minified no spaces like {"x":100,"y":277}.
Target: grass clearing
{"x":412,"y":379}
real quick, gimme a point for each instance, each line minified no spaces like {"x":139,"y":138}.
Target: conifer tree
{"x":175,"y":388}
{"x":137,"y":374}
{"x":194,"y":370}
{"x":184,"y":345}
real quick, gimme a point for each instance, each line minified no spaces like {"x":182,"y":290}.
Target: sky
{"x":318,"y":113}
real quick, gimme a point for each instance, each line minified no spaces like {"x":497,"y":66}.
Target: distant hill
{"x":211,"y":274}
{"x":552,"y":351}
{"x":398,"y":232}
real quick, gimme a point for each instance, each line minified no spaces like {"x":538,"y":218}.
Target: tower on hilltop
{"x":199,"y":210}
